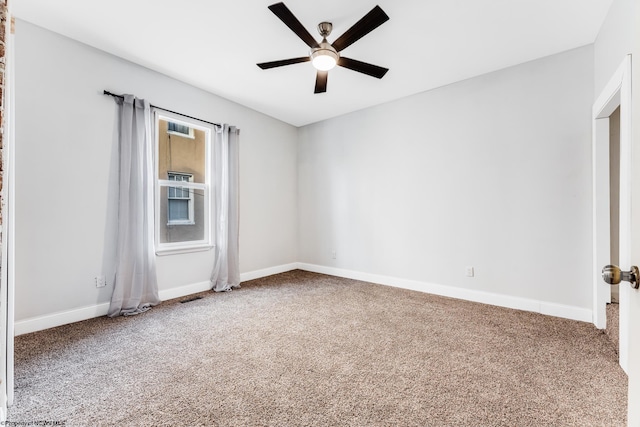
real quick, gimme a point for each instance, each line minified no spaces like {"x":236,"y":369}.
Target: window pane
{"x":192,"y":227}
{"x":178,"y":210}
{"x":181,"y":154}
{"x":178,"y":192}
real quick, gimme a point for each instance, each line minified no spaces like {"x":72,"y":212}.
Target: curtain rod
{"x":106,"y":92}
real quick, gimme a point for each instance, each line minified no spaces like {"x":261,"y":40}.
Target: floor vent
{"x":190,"y":299}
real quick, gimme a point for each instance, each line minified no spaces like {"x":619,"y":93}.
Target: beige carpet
{"x":302,"y":349}
{"x":613,"y":324}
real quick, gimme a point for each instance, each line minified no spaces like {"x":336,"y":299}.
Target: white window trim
{"x":189,"y":246}
{"x":167,"y":249}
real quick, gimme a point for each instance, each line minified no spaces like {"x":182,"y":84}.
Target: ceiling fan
{"x":324,"y":55}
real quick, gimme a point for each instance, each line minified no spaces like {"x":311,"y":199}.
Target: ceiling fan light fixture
{"x":324,"y":57}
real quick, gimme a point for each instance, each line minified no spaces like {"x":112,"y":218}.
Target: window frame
{"x":169,"y":248}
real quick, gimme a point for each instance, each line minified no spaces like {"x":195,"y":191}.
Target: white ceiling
{"x":215,"y":44}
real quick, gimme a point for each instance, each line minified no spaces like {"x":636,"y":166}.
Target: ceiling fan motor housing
{"x":324,"y":28}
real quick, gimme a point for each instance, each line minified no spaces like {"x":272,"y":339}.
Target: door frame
{"x":617,"y":93}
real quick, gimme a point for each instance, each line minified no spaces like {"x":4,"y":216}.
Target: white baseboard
{"x":182,"y":291}
{"x":551,"y":309}
{"x":39,"y":323}
{"x":52,"y":320}
{"x":252,"y":275}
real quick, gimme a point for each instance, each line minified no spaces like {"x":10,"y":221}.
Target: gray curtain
{"x":135,"y":288}
{"x":225,"y":152}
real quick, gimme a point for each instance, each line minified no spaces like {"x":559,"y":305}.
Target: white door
{"x":617,"y":94}
{"x":634,"y":343}
{"x":634,"y":340}
{"x":633,"y":314}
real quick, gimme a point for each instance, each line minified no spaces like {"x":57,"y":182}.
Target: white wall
{"x":492,"y":172}
{"x":66,"y":174}
{"x":613,"y":42}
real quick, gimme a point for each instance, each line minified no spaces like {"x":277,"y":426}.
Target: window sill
{"x":169,"y":224}
{"x":182,"y":250}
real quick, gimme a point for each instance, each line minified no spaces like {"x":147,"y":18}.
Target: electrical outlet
{"x":101,"y":282}
{"x":469,"y":271}
{"x":333,"y":254}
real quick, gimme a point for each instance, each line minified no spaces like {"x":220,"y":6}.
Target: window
{"x":180,"y":129}
{"x":180,"y":200}
{"x":183,"y":184}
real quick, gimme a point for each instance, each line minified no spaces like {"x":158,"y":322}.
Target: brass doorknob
{"x":613,"y":275}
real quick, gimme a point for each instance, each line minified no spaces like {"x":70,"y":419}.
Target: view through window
{"x":182,"y":184}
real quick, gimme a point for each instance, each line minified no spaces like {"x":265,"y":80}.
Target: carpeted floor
{"x":613,"y":324}
{"x":303,"y":349}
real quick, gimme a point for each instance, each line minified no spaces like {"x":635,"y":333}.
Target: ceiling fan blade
{"x":285,"y":15}
{"x":321,"y":82}
{"x":362,"y":67}
{"x":368,"y":23}
{"x":273,"y":64}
